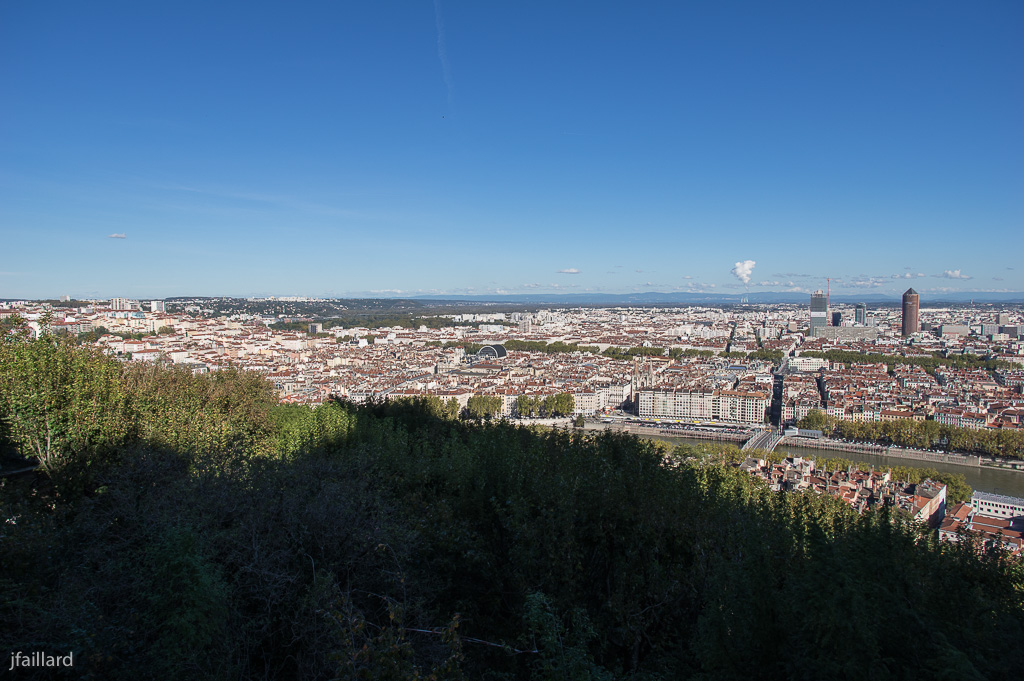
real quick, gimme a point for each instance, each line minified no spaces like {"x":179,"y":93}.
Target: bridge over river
{"x":765,"y":440}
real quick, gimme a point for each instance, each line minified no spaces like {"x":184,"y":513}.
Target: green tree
{"x":483,"y":406}
{"x":815,"y":420}
{"x":559,"y":404}
{"x":13,"y":328}
{"x":527,"y":406}
{"x":65,"y":406}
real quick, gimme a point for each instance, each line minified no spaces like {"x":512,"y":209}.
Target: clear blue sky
{"x":342,"y":148}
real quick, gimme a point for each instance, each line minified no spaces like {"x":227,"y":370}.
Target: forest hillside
{"x":184,"y":526}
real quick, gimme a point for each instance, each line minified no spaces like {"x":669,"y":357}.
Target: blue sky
{"x":397,"y":148}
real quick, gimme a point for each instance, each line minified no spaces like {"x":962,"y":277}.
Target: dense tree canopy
{"x":187,"y":527}
{"x":929,"y":364}
{"x":920,"y":434}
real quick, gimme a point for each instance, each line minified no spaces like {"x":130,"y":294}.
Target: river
{"x":981,"y":478}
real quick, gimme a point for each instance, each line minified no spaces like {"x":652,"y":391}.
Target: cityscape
{"x":696,"y":363}
{"x":512,"y":341}
{"x":742,"y":374}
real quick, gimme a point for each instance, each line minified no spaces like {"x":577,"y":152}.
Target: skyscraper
{"x":861,"y":314}
{"x":819,"y":311}
{"x":911,"y":304}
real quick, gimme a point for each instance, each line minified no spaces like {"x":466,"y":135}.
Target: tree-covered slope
{"x":187,"y":527}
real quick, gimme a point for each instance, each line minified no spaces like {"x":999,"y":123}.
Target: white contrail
{"x":442,"y":53}
{"x":742,"y":271}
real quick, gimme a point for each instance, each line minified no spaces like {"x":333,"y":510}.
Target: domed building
{"x":492,"y":352}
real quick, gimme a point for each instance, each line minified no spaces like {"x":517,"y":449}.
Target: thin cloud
{"x":442,"y":52}
{"x":569,"y":270}
{"x":954,"y":274}
{"x":869,"y":282}
{"x":116,"y":236}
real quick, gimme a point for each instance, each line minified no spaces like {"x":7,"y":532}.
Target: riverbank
{"x":654,"y":431}
{"x":878,"y":450}
{"x":983,"y":477}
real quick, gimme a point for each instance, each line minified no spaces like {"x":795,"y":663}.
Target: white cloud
{"x":743,"y":269}
{"x":569,"y":270}
{"x":116,"y":236}
{"x":954,"y":274}
{"x":868,"y":282}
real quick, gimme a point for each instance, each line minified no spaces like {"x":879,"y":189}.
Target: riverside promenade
{"x":878,"y":450}
{"x":655,"y":431}
{"x":844,"y":449}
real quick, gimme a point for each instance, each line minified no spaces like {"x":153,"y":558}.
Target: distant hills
{"x":646,"y":298}
{"x":760,"y":298}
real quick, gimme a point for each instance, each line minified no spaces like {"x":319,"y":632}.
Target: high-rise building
{"x":911,"y":305}
{"x":819,"y":311}
{"x":120,"y":304}
{"x":861,"y":314}
{"x":157,"y":306}
{"x":837,"y":319}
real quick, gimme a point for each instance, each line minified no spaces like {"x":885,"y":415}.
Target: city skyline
{"x":434,"y":149}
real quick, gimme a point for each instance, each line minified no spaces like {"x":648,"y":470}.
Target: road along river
{"x":982,"y":478}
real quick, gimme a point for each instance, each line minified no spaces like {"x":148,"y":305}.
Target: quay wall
{"x":877,"y":450}
{"x":689,"y":434}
